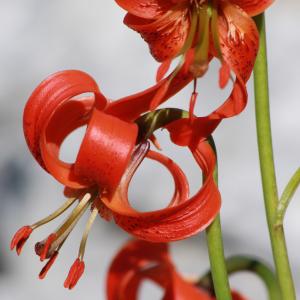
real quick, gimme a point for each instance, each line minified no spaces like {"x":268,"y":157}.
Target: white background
{"x":38,"y":38}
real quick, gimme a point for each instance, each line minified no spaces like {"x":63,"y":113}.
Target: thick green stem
{"x":267,"y":167}
{"x":216,"y":254}
{"x":248,"y":264}
{"x":217,"y":260}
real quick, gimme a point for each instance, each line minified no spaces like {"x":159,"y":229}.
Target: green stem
{"x":244,"y":263}
{"x":286,"y":197}
{"x":267,"y":167}
{"x":216,"y":253}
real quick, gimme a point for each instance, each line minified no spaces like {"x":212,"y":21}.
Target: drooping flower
{"x":138,"y":261}
{"x":196,"y":31}
{"x":109,"y":155}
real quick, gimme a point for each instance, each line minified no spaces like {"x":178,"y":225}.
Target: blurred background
{"x":41,"y":37}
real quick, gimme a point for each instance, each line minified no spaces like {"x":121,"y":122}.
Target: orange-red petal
{"x":147,"y":9}
{"x":131,"y":107}
{"x":183,"y":217}
{"x":139,"y":260}
{"x":165,"y":35}
{"x":253,"y":7}
{"x":106,"y":150}
{"x":163,"y":69}
{"x":239,"y":40}
{"x":53,"y":91}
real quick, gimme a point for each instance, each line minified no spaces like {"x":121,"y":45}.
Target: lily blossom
{"x":138,"y":261}
{"x":107,"y":159}
{"x":196,"y":31}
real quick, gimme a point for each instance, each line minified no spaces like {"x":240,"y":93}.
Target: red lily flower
{"x":138,"y":261}
{"x":107,"y":159}
{"x":198,"y":30}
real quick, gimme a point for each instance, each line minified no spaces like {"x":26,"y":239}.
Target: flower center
{"x":203,"y":24}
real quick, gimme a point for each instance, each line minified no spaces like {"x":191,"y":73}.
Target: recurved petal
{"x":48,"y":96}
{"x":239,"y":40}
{"x":253,"y":7}
{"x":187,"y":132}
{"x":182,"y":289}
{"x":138,"y":261}
{"x":165,"y":35}
{"x":104,"y":152}
{"x":131,"y":107}
{"x":183,"y":217}
{"x":122,"y":274}
{"x":147,"y":9}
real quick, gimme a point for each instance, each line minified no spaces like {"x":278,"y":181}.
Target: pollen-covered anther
{"x":48,"y":265}
{"x":78,"y":266}
{"x":45,"y":251}
{"x":54,"y":241}
{"x":75,"y":273}
{"x":20,"y":237}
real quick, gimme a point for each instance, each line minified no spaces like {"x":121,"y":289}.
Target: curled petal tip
{"x":224,"y":75}
{"x":75,"y":273}
{"x":20,"y":238}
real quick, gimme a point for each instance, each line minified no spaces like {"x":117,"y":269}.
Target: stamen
{"x":51,"y":238}
{"x":191,"y":36}
{"x":20,"y":237}
{"x":48,"y":265}
{"x":86,"y":232}
{"x":47,"y":247}
{"x":55,"y":214}
{"x":103,"y":211}
{"x":51,"y":261}
{"x":75,"y":273}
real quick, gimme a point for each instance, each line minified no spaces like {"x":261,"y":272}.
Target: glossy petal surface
{"x":253,"y":7}
{"x":148,"y":9}
{"x":138,"y":261}
{"x":182,"y":218}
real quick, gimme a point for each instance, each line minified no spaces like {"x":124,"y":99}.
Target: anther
{"x":22,"y":235}
{"x":75,"y":273}
{"x":47,"y":247}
